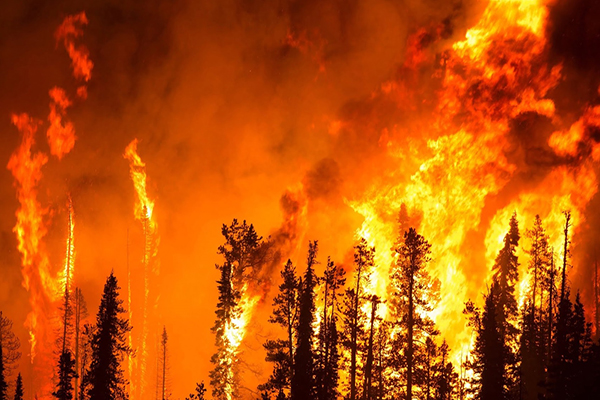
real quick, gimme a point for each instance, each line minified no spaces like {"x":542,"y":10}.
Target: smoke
{"x":277,"y":112}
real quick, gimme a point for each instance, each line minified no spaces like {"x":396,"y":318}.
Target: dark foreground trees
{"x":105,"y":375}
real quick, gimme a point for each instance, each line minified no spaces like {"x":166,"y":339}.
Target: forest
{"x":339,"y":340}
{"x":424,"y":175}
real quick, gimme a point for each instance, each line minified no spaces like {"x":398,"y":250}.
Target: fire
{"x":45,"y":285}
{"x":68,"y":31}
{"x":495,"y":74}
{"x":61,"y":137}
{"x":26,"y":168}
{"x":143,"y":212}
{"x":68,"y":273}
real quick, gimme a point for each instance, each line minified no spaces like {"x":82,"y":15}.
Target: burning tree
{"x":245,"y":253}
{"x":354,"y":316}
{"x":413,"y":298}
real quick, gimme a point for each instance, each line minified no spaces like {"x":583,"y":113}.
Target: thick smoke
{"x":234,"y":103}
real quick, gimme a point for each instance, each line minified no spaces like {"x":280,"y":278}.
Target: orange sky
{"x":235,"y":103}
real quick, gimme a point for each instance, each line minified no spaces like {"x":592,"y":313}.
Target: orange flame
{"x":495,"y":74}
{"x":143,"y":212}
{"x":68,"y":31}
{"x":60,"y":137}
{"x":30,"y":229}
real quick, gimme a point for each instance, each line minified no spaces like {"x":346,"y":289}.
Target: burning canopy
{"x":449,"y":117}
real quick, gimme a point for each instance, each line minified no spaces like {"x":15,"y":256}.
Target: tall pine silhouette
{"x":303,"y":380}
{"x":285,"y":313}
{"x":413,"y":299}
{"x":108,"y":345}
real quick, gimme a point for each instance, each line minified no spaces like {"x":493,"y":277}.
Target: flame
{"x":234,"y":333}
{"x":68,"y":31}
{"x":494,"y":74}
{"x":60,"y":137}
{"x":143,"y":212}
{"x":68,"y":272}
{"x":30,"y":229}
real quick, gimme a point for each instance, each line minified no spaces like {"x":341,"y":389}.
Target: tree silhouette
{"x":506,"y":276}
{"x":413,"y":299}
{"x":488,"y":355}
{"x":66,"y":374}
{"x":108,"y":345}
{"x":303,"y":382}
{"x":285,"y":313}
{"x":3,"y":383}
{"x":19,"y":393}
{"x":245,"y":253}
{"x":327,"y":357}
{"x":354,"y":318}
{"x":200,"y":392}
{"x":9,"y":353}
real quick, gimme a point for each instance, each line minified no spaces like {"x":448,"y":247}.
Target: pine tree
{"x":81,"y":313}
{"x":327,"y":357}
{"x":532,"y":344}
{"x":506,"y":276}
{"x":285,"y":313}
{"x":559,"y":371}
{"x":354,"y":318}
{"x":200,"y":392}
{"x":445,"y":379}
{"x":19,"y":388}
{"x":413,"y":298}
{"x":9,"y":353}
{"x":162,"y":365}
{"x":488,"y":355}
{"x":66,"y":374}
{"x":303,"y":382}
{"x":105,"y":374}
{"x":368,"y":391}
{"x":87,"y":338}
{"x":3,"y":383}
{"x":245,"y":253}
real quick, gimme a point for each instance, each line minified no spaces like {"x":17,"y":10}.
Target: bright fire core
{"x":134,"y":133}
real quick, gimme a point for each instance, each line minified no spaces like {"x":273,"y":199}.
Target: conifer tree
{"x":3,"y":383}
{"x":445,"y":379}
{"x":532,"y":344}
{"x":285,"y":313}
{"x":413,"y":298}
{"x":488,"y":355}
{"x":559,"y":369}
{"x":108,"y":346}
{"x":327,"y":357}
{"x":19,"y":393}
{"x":506,"y":276}
{"x":368,"y":391}
{"x":81,"y":313}
{"x":162,"y":365}
{"x":199,"y":393}
{"x":66,"y":373}
{"x":303,"y":382}
{"x":9,"y":353}
{"x":354,"y":318}
{"x":245,"y":253}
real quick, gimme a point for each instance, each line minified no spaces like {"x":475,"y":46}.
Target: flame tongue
{"x":497,"y":73}
{"x":30,"y":230}
{"x":143,"y":212}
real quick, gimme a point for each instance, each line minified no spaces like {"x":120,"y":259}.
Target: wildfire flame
{"x":143,"y":212}
{"x":467,"y":162}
